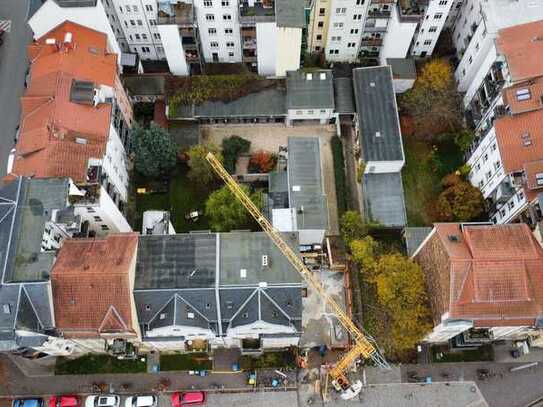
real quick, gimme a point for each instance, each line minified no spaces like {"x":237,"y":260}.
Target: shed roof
{"x":145,"y":85}
{"x":310,"y":90}
{"x":306,"y":191}
{"x":384,"y":200}
{"x":343,"y":95}
{"x":379,"y":127}
{"x":403,"y":68}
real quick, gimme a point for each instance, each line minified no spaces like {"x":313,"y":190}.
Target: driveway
{"x":270,"y":136}
{"x":13,"y":65}
{"x":502,"y":389}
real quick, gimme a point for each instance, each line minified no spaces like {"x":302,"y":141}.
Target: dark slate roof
{"x":384,"y":199}
{"x":269,"y":102}
{"x":245,"y":250}
{"x":414,"y":236}
{"x":278,"y":189}
{"x":305,"y":183}
{"x":379,"y":127}
{"x":403,"y":68}
{"x":304,"y":93}
{"x":176,"y":261}
{"x":145,"y":85}
{"x":32,"y":202}
{"x":9,"y":295}
{"x":343,"y":95}
{"x":290,"y":13}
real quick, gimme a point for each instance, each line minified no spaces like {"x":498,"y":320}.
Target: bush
{"x":460,"y":201}
{"x":232,"y":147}
{"x":342,"y":192}
{"x":96,"y":364}
{"x":262,"y":162}
{"x":226,"y":213}
{"x":268,"y":360}
{"x":200,"y":171}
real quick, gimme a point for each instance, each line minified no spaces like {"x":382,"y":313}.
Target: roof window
{"x":243,"y":273}
{"x":526,"y":140}
{"x":309,"y":76}
{"x":323,"y":76}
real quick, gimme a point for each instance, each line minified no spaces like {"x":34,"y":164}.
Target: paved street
{"x":502,"y":389}
{"x":13,"y":65}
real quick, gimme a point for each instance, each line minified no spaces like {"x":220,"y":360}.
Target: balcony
{"x":364,"y":53}
{"x":259,"y":13}
{"x":189,"y":43}
{"x":181,"y":14}
{"x":249,"y":43}
{"x":412,"y":10}
{"x":192,"y":56}
{"x":376,"y":13}
{"x":372,"y":27}
{"x":249,"y":55}
{"x":371,"y":42}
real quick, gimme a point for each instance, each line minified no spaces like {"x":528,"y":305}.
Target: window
{"x":208,"y":3}
{"x":156,"y":35}
{"x":132,"y":22}
{"x":493,"y":147}
{"x":511,"y":204}
{"x":148,"y":7}
{"x":322,"y":11}
{"x":213,"y":44}
{"x":438,"y":16}
{"x":160,"y":49}
{"x":354,"y":30}
{"x":427,"y":42}
{"x":299,"y":112}
{"x":104,"y":227}
{"x":485,"y":158}
{"x":357,"y":17}
{"x":317,"y":48}
{"x":502,"y":212}
{"x":127,"y":9}
{"x":140,"y":22}
{"x":212,"y":31}
{"x":319,"y":37}
{"x":225,"y":3}
{"x":310,"y":112}
{"x":351,"y":45}
{"x":230,"y":44}
{"x":145,"y":50}
{"x":143,"y":36}
{"x":520,"y":196}
{"x":338,"y":25}
{"x":120,"y":8}
{"x":210,"y":17}
{"x":228,"y":31}
{"x":320,"y":24}
{"x":341,"y":10}
{"x":359,"y":2}
{"x":432,"y":29}
{"x":135,"y":9}
{"x":497,"y":165}
{"x":227,"y":17}
{"x":137,"y":36}
{"x":90,"y":210}
{"x":489,"y":175}
{"x":481,"y":183}
{"x":152,"y":21}
{"x":231,"y":54}
{"x":442,"y":2}
{"x":478,"y":167}
{"x":336,"y":38}
{"x":470,"y":60}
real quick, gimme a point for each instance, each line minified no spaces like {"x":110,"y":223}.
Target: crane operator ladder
{"x":364,"y":346}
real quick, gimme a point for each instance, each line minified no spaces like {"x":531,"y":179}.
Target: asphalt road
{"x":13,"y":65}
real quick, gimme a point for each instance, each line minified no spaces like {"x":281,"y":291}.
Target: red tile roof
{"x":531,"y":170}
{"x":520,"y":139}
{"x":535,"y":92}
{"x":522,"y":46}
{"x":50,"y":122}
{"x":92,"y":286}
{"x":496,"y":274}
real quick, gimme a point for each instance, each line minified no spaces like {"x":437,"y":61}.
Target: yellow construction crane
{"x":363,"y":345}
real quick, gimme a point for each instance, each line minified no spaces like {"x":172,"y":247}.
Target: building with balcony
{"x":504,"y":157}
{"x":75,"y":123}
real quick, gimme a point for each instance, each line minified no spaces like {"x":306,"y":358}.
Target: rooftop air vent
{"x":6,"y":308}
{"x":243,"y":273}
{"x":323,"y":76}
{"x":453,"y":238}
{"x":309,"y":76}
{"x":372,"y":84}
{"x":377,"y":134}
{"x":264,"y":260}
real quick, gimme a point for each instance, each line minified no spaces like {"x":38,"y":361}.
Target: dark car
{"x":30,"y":402}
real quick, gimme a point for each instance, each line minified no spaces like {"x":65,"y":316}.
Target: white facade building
{"x":430,"y":27}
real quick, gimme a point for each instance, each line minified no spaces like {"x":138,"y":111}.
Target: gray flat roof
{"x":305,"y":183}
{"x":379,"y":127}
{"x":304,"y":93}
{"x":290,"y":13}
{"x":145,"y":85}
{"x":269,"y":102}
{"x":343,"y":95}
{"x":245,"y":250}
{"x":403,"y":68}
{"x":384,"y":199}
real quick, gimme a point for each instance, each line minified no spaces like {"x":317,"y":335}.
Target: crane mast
{"x":363,"y":346}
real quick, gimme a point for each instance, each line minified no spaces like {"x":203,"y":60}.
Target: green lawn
{"x":94,"y":364}
{"x":179,"y":195}
{"x":268,"y":360}
{"x":422,"y":175}
{"x":185,"y":361}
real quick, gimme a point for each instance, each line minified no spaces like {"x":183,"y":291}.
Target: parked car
{"x":64,"y":401}
{"x":143,"y":400}
{"x":190,"y":398}
{"x":30,"y":402}
{"x":103,"y":400}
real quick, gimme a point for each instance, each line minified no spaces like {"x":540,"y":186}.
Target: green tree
{"x":232,"y":147}
{"x":353,"y":227}
{"x":459,"y":201}
{"x":155,"y":151}
{"x":433,"y":102}
{"x":365,"y":252}
{"x":200,"y":171}
{"x":225,"y":212}
{"x":401,"y":290}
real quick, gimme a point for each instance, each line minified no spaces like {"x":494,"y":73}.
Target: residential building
{"x":504,"y":157}
{"x":35,"y":219}
{"x":209,"y":290}
{"x":310,"y":96}
{"x":484,"y":282}
{"x":92,"y":282}
{"x":75,"y":123}
{"x":380,"y":141}
{"x":297,"y":195}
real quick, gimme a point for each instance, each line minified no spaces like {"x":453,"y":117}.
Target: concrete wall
{"x":289,"y":45}
{"x":266,"y":45}
{"x":323,"y":115}
{"x":173,"y":49}
{"x":397,"y":39}
{"x":402,"y":85}
{"x":430,"y":27}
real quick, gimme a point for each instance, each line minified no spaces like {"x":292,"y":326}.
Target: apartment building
{"x":483,"y":282}
{"x":372,"y":31}
{"x":75,"y":123}
{"x":505,"y":157}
